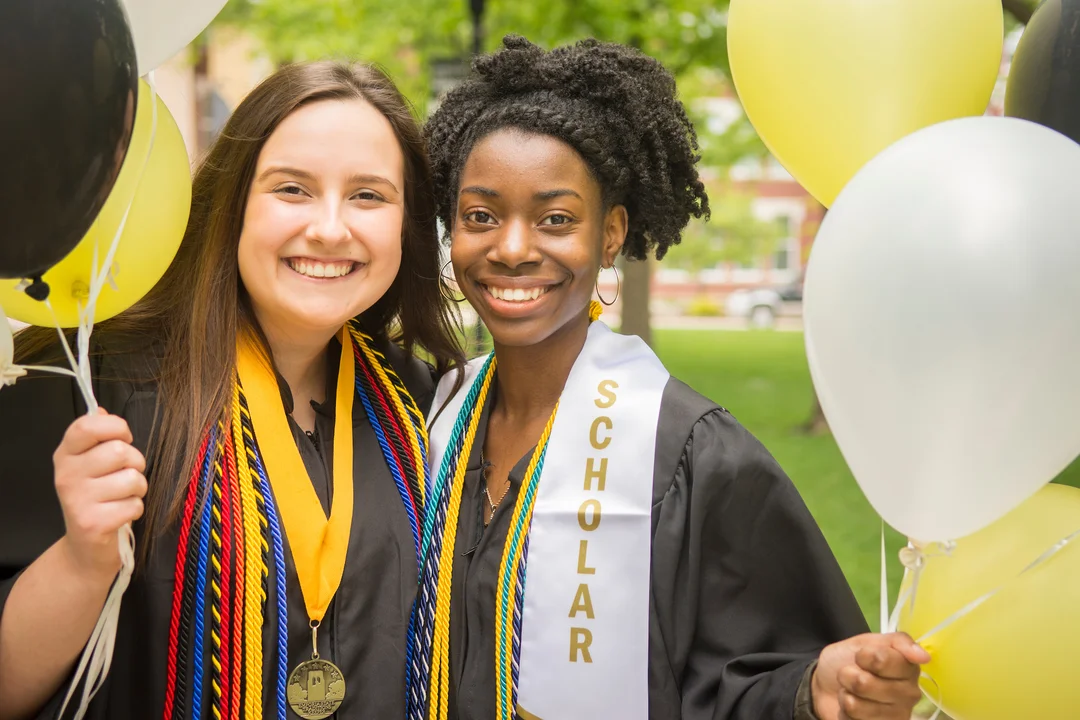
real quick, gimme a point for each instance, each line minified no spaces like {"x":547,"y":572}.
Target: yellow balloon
{"x":160,"y":204}
{"x":1016,"y":655}
{"x":828,"y":84}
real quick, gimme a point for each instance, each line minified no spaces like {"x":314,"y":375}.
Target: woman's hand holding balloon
{"x":100,"y":483}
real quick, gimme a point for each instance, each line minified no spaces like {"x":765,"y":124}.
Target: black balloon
{"x":1044,"y":80}
{"x":68,"y":87}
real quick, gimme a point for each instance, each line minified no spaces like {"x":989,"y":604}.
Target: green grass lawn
{"x":763,"y":379}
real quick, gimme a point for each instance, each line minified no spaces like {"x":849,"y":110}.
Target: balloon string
{"x":97,"y":656}
{"x":104,"y":274}
{"x":936,"y":698}
{"x":49,"y":369}
{"x":884,"y":625}
{"x":914,"y":560}
{"x":85,"y":388}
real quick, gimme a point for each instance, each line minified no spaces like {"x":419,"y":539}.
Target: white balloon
{"x":162,"y":28}
{"x":942,"y":330}
{"x":9,"y":371}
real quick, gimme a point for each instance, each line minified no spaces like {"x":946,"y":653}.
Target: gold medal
{"x":316,"y":686}
{"x":316,"y":689}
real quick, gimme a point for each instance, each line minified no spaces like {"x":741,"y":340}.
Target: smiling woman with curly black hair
{"x":600,"y":541}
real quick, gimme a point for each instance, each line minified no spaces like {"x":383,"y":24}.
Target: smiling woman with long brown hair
{"x":268,"y":396}
{"x":601,"y":541}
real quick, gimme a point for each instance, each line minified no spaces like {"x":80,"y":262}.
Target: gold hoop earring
{"x":618,"y":286}
{"x":444,"y":286}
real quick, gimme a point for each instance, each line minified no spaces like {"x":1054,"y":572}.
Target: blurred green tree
{"x":732,"y":235}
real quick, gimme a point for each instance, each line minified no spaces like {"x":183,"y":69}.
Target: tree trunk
{"x":635,"y":299}
{"x":637,"y":274}
{"x":1022,"y":10}
{"x":203,"y":121}
{"x":817,"y":424}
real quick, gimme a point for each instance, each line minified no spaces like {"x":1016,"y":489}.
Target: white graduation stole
{"x":585,"y":624}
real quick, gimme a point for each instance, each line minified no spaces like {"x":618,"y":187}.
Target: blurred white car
{"x":762,"y":306}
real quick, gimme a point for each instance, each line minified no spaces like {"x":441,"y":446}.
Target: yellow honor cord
{"x":439,"y":694}
{"x":508,"y":568}
{"x":439,"y":678}
{"x":399,"y":404}
{"x":254,"y":595}
{"x":318,"y":543}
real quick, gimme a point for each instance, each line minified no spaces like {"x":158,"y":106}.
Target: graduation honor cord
{"x":428,"y":669}
{"x":251,"y":489}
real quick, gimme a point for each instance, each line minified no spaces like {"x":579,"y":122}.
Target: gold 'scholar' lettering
{"x":601,"y":432}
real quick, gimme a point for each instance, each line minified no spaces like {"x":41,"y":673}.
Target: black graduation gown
{"x":745,"y":590}
{"x":365,"y":627}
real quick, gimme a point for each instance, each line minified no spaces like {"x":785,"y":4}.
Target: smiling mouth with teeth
{"x":516,"y":294}
{"x":316,"y":269}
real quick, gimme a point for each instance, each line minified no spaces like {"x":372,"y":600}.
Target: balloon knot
{"x":38,"y":289}
{"x":914,"y":556}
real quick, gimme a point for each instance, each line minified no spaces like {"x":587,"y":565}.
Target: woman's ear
{"x":616,"y":223}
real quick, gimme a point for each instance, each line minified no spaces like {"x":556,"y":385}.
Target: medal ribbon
{"x":318,"y":543}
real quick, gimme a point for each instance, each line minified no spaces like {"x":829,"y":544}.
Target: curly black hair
{"x":613,"y":104}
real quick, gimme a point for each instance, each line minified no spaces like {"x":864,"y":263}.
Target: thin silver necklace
{"x":484,"y":467}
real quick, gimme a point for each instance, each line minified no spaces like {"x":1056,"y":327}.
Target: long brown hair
{"x":199,"y":306}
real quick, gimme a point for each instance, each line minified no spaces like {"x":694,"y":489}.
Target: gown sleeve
{"x":35,"y":413}
{"x":754,"y":592}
